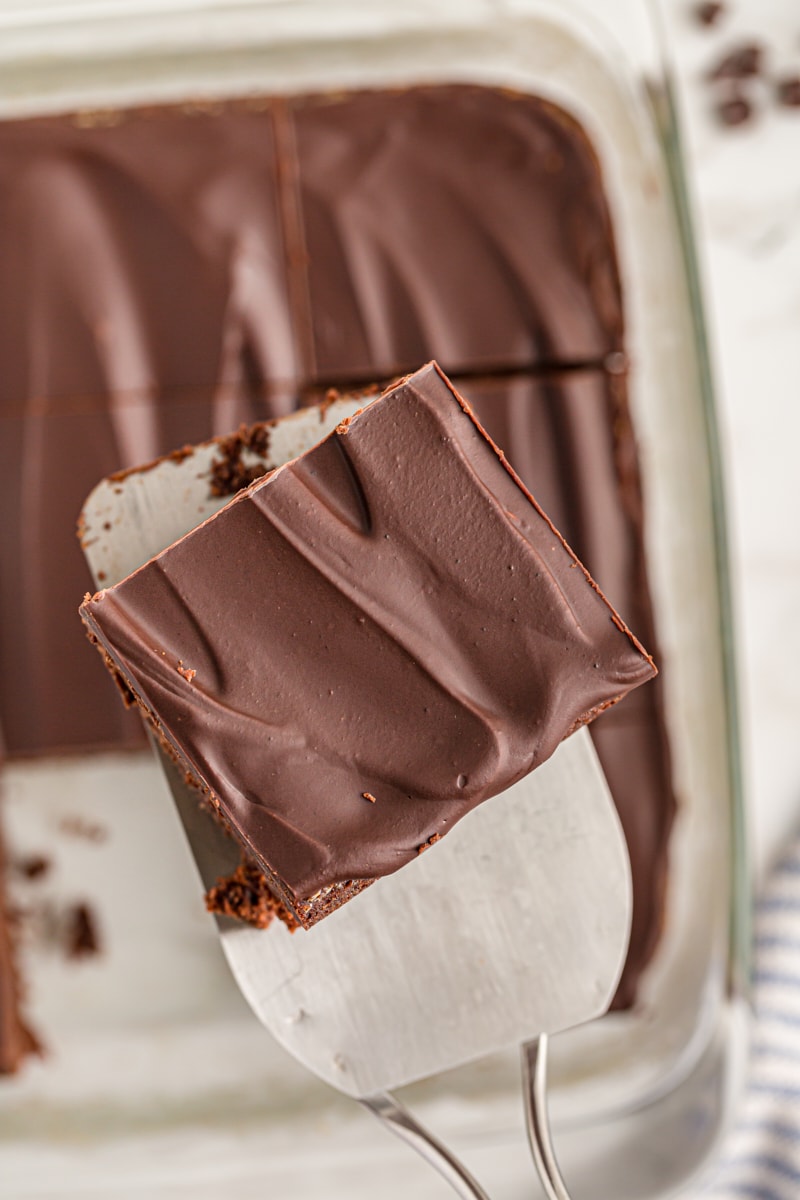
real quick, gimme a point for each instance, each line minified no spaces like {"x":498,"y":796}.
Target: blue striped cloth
{"x":761,"y":1160}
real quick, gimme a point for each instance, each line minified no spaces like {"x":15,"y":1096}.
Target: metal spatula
{"x":513,"y":928}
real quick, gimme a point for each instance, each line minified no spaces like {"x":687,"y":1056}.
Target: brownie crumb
{"x":368,"y":796}
{"x":245,"y":896}
{"x":229,"y":476}
{"x":787,"y":91}
{"x":313,"y":397}
{"x":331,"y":396}
{"x":226,"y":481}
{"x":708,"y":13}
{"x":435,"y":837}
{"x":734,"y":110}
{"x":744,"y":62}
{"x":258,"y":440}
{"x":35,"y":866}
{"x":81,"y":936}
{"x":228,"y":473}
{"x":176,"y":456}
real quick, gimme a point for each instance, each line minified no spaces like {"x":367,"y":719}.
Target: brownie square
{"x":365,"y":644}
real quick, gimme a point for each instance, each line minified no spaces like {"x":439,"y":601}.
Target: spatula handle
{"x":534,"y":1091}
{"x":401,"y":1123}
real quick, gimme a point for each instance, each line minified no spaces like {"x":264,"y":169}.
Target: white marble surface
{"x":746,"y":183}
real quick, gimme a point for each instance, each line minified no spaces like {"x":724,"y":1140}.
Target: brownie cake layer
{"x":366,"y":643}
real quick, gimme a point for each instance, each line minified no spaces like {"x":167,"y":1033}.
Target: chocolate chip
{"x":744,"y":62}
{"x":735,"y":110}
{"x":708,"y":13}
{"x":35,"y":866}
{"x":82,"y":939}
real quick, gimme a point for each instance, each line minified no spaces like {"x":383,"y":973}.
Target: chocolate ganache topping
{"x":367,"y":643}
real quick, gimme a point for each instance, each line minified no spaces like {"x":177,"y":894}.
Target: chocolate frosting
{"x":390,"y":617}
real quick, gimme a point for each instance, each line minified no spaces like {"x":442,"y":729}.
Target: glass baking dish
{"x":158,"y":1081}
